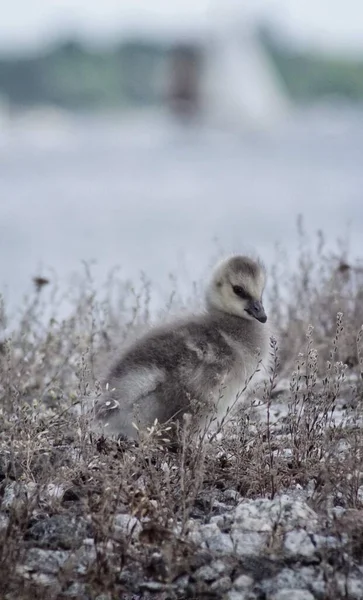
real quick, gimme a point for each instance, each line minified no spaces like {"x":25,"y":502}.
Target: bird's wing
{"x":127,"y":389}
{"x":208,"y":352}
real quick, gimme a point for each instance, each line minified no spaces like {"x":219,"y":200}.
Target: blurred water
{"x":146,"y":194}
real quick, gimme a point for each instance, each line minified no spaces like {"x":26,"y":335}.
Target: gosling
{"x":199,"y":365}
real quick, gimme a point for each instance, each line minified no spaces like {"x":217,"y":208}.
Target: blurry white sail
{"x":239,"y":85}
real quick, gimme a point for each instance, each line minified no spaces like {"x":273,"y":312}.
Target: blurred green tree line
{"x":73,"y":76}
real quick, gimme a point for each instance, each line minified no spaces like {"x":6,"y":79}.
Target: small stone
{"x":314,"y":580}
{"x":17,"y":493}
{"x":223,"y":521}
{"x":76,"y":590}
{"x":292,"y":595}
{"x":156,"y":586}
{"x":209,"y":530}
{"x":262,"y":515}
{"x":355,"y":588}
{"x":85,"y":556}
{"x":288,"y":579}
{"x":243,"y":582}
{"x":214,"y":540}
{"x":206,"y":573}
{"x":131,"y":577}
{"x":240,"y":595}
{"x":60,"y":532}
{"x":220,"y":507}
{"x":298,"y":543}
{"x":182,"y":582}
{"x":219,"y":567}
{"x":231,"y":495}
{"x":330,"y":541}
{"x":337,"y":512}
{"x":44,"y":561}
{"x":52,"y":490}
{"x":126,"y":526}
{"x":4,"y":521}
{"x":221,"y":585}
{"x":46,"y":580}
{"x":248,"y":543}
{"x":194,"y":533}
{"x":220,"y":543}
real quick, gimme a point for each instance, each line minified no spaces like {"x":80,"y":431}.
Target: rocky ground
{"x":270,"y":508}
{"x":93,"y":519}
{"x":247,"y":549}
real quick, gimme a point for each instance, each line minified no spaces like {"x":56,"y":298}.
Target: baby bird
{"x":204,"y":360}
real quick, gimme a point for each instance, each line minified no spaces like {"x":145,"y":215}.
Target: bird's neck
{"x":250,"y":333}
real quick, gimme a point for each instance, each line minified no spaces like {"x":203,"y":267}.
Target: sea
{"x":147,"y":194}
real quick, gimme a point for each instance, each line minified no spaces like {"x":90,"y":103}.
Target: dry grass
{"x":304,"y":429}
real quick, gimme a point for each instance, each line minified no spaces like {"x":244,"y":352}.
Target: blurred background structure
{"x":136,"y":133}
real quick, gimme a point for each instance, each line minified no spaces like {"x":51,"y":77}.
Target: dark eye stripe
{"x":240,"y":292}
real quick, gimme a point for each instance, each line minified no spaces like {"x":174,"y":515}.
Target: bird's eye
{"x":240,"y":292}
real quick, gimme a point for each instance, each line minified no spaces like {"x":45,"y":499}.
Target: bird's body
{"x":198,"y":364}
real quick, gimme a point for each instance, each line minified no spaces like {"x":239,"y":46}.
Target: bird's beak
{"x":256,"y":310}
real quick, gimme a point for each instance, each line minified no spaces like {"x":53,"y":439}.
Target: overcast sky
{"x":328,"y":24}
